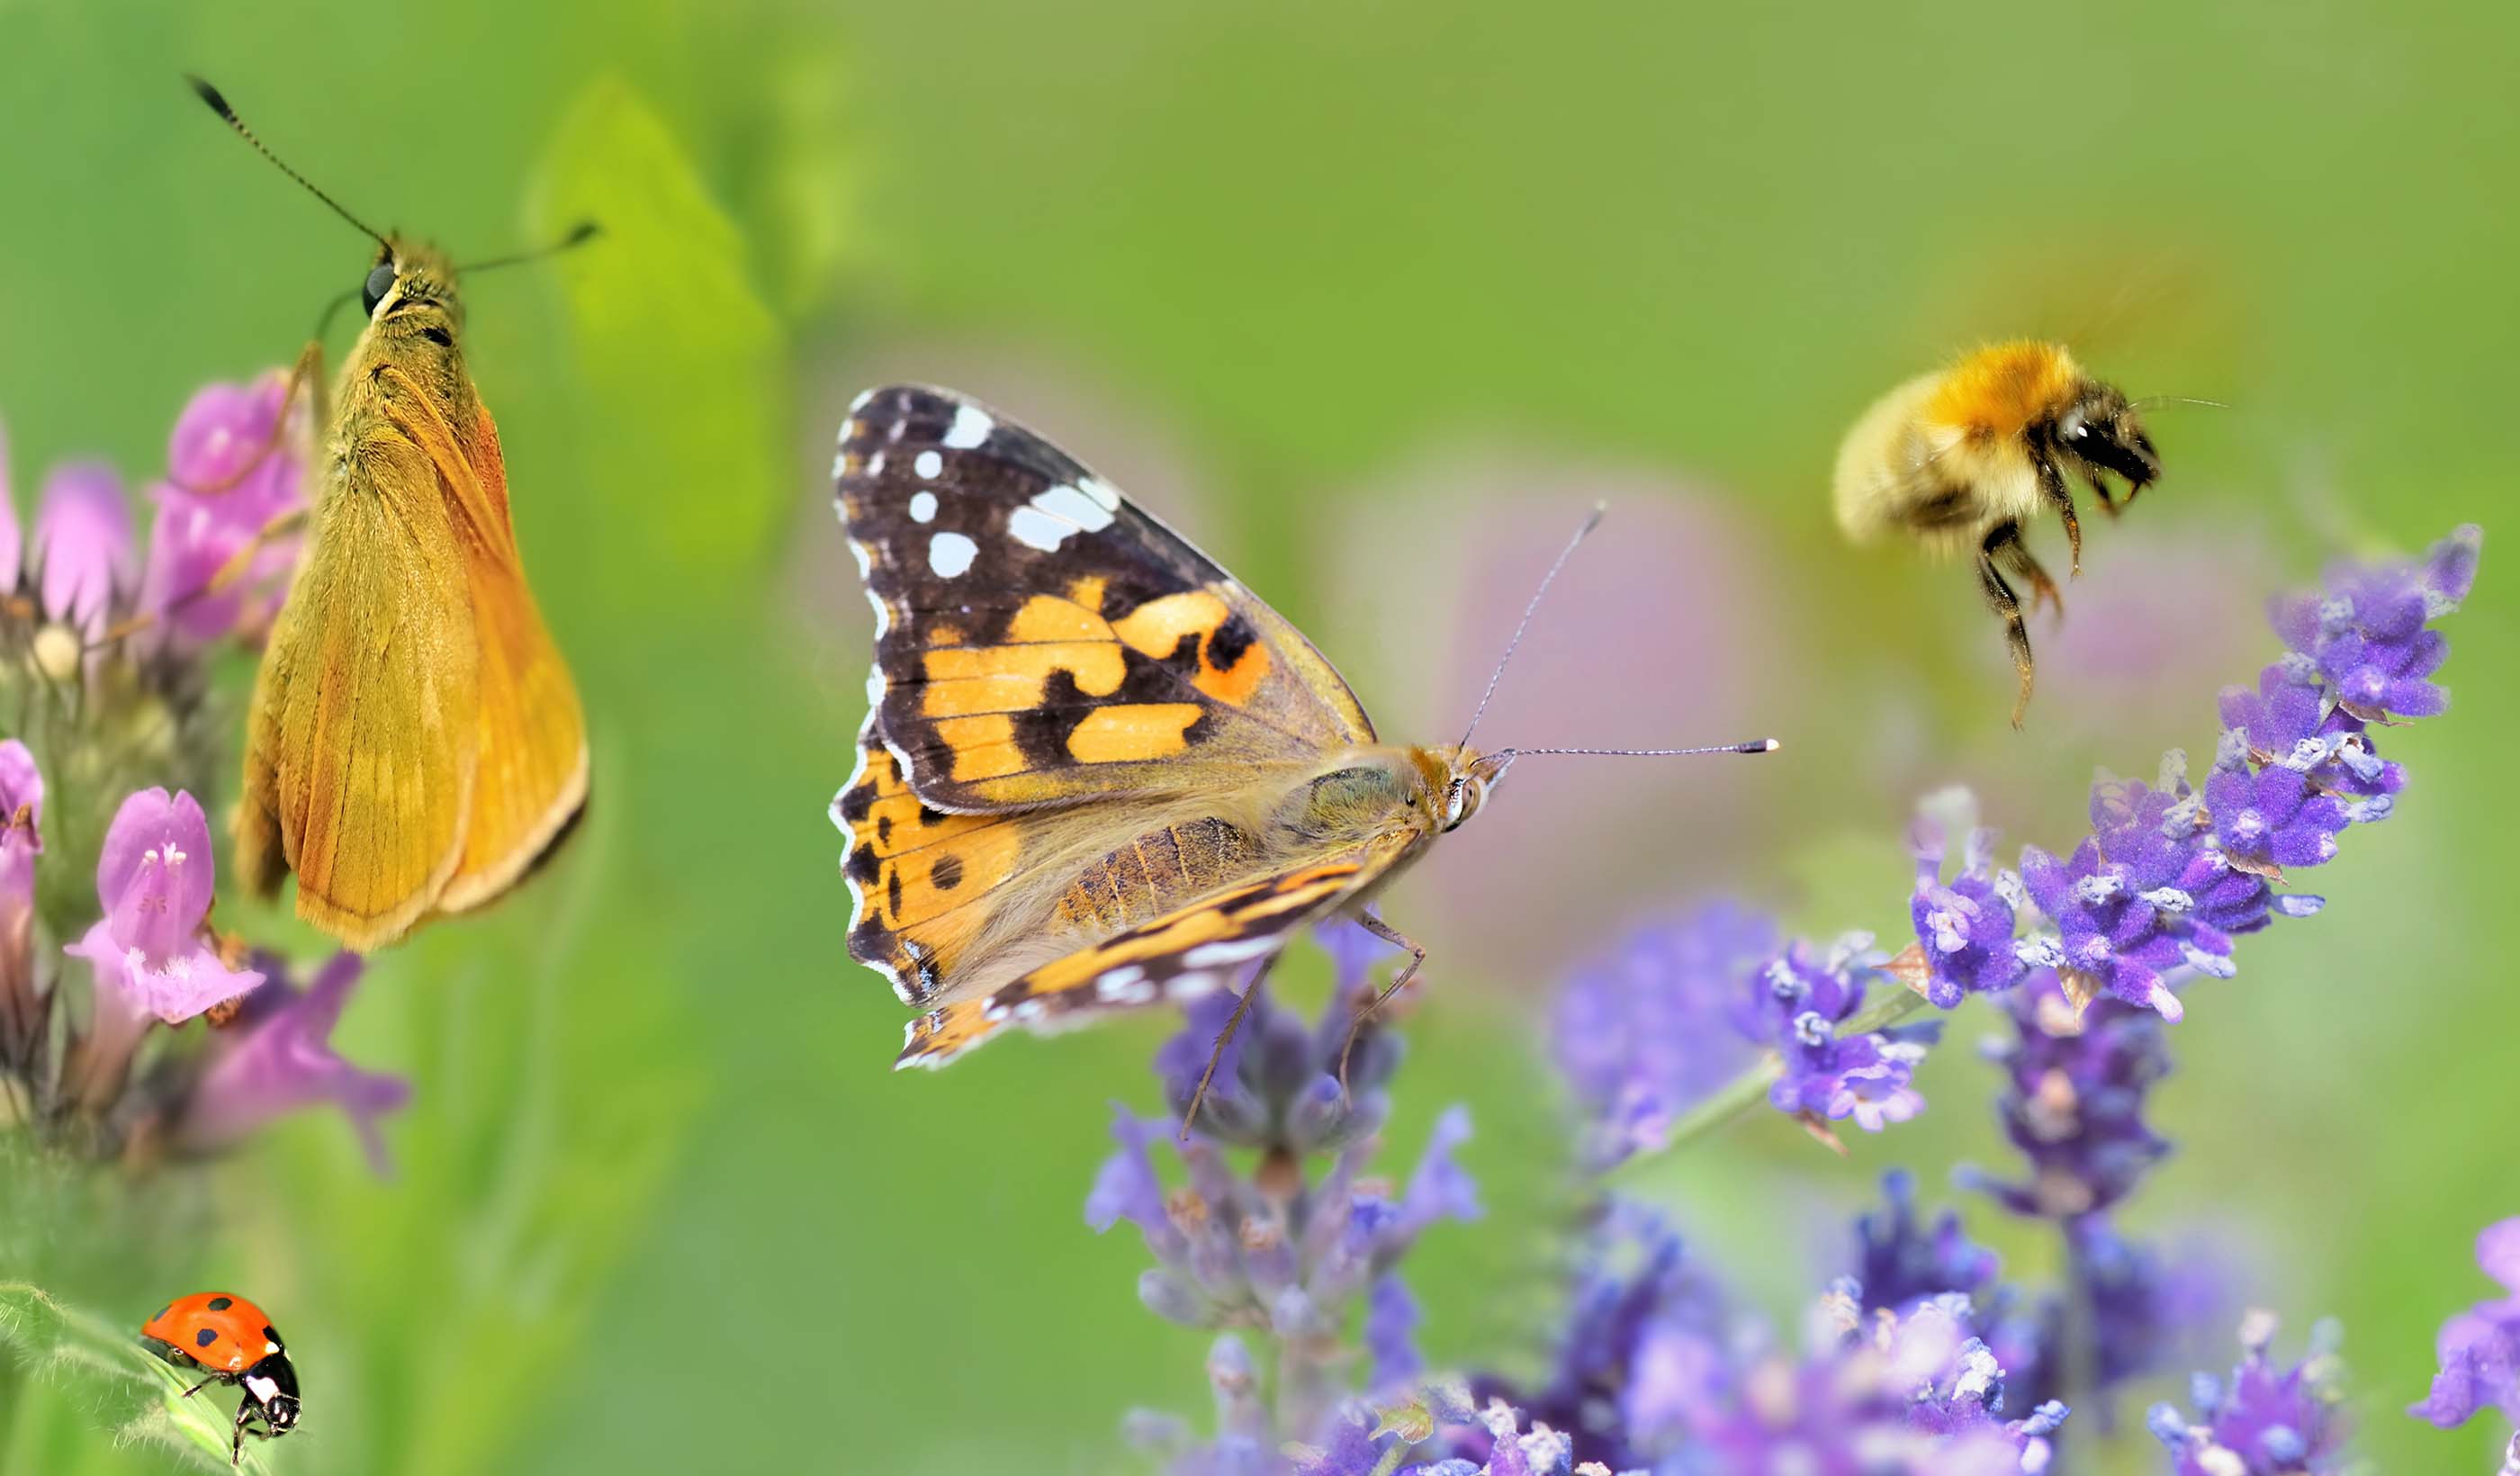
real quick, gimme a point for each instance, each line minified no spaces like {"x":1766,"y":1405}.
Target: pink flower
{"x":154,"y":883}
{"x":21,"y":787}
{"x":227,"y":480}
{"x":9,"y":543}
{"x":82,"y":544}
{"x":285,"y":1061}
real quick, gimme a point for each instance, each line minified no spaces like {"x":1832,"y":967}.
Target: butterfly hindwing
{"x":1041,"y":641}
{"x":1180,"y":956}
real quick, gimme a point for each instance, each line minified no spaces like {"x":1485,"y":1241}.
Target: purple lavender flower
{"x":1964,"y":927}
{"x":83,"y":547}
{"x":2479,"y":1348}
{"x":1640,"y":1032}
{"x":2074,"y":1106}
{"x":2365,"y":635}
{"x":227,"y":482}
{"x":282,"y":1060}
{"x":2145,"y":1310}
{"x":1804,"y":996}
{"x":2289,"y":720}
{"x":154,"y":883}
{"x":1900,"y":1263}
{"x":1278,"y":1081}
{"x":2125,"y":903}
{"x":2264,"y":1420}
{"x":2271,"y":817}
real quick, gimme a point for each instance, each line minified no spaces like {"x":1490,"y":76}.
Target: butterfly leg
{"x":305,"y":375}
{"x":1373,"y":923}
{"x":1999,"y":597}
{"x":238,"y":564}
{"x":1224,"y":1037}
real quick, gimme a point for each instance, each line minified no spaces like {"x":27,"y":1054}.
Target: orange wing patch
{"x":1181,"y":955}
{"x":911,"y":870}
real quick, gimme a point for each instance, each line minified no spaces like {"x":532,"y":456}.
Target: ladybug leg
{"x":235,"y":1451}
{"x":198,"y":1388}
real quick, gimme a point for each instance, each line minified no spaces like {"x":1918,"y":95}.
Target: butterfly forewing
{"x":1043,"y":641}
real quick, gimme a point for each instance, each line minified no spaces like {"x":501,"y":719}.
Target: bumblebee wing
{"x":530,"y":731}
{"x":359,"y":764}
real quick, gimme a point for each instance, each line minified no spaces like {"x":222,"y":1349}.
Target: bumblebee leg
{"x":2012,"y":556}
{"x":1375,"y":925}
{"x":1216,"y":1054}
{"x":1999,"y":596}
{"x":2052,"y":483}
{"x":2100,"y":490}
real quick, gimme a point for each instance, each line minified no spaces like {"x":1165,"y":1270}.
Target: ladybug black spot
{"x":205,"y":1338}
{"x":221,"y":1303}
{"x":162,"y":1312}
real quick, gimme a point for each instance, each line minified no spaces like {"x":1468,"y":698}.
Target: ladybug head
{"x":272,"y":1386}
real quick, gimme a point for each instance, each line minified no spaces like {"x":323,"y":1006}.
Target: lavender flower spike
{"x":2479,"y":1348}
{"x":2265,"y":1420}
{"x":2365,"y":633}
{"x":1964,"y":926}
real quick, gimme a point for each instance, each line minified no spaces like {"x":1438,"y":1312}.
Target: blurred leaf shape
{"x":683,"y":367}
{"x":556,"y":1074}
{"x":66,"y":1367}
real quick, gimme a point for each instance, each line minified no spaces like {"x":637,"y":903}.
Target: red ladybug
{"x":229,"y":1339}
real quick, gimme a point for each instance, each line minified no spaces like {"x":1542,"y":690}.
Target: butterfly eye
{"x":372,"y":291}
{"x":1457,"y":803}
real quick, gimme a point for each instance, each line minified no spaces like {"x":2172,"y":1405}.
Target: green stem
{"x":1391,"y":1459}
{"x":1746,"y":1091}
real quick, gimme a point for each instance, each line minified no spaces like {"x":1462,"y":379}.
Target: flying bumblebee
{"x":1960,"y":459}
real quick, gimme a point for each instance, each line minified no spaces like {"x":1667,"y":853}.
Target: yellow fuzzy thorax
{"x":1996,"y":391}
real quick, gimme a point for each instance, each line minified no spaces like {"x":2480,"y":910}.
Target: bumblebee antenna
{"x":2150,"y":400}
{"x":578,"y":235}
{"x":220,"y":105}
{"x":1592,"y":521}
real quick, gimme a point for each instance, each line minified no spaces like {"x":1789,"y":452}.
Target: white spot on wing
{"x":1101,"y":492}
{"x":1065,"y":500}
{"x":1034,"y":528}
{"x":860,"y":402}
{"x":874,"y":464}
{"x":950,"y":553}
{"x":971,"y":425}
{"x":929,"y":466}
{"x":922,"y":507}
{"x":1231,"y":950}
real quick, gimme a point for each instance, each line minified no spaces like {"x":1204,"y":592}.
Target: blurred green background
{"x":1372,"y":300}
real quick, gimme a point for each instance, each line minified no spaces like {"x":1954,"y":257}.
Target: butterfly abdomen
{"x":1157,"y":872}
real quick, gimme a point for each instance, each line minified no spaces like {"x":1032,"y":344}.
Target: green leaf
{"x":681,"y":365}
{"x":69,"y":1369}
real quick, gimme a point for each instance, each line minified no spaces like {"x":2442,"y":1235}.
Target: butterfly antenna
{"x":220,"y":105}
{"x":578,"y":235}
{"x":1592,"y":521}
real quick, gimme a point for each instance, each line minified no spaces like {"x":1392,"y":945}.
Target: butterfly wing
{"x":359,"y":753}
{"x":530,"y":776}
{"x":1040,"y":640}
{"x":1182,"y":955}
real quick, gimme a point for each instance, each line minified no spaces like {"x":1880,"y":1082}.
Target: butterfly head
{"x":415,"y":282}
{"x":1465,"y":776}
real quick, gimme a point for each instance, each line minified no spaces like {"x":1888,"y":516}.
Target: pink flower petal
{"x":82,"y":541}
{"x":154,"y":877}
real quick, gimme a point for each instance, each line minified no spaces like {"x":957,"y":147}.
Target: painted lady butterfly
{"x":1096,"y":771}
